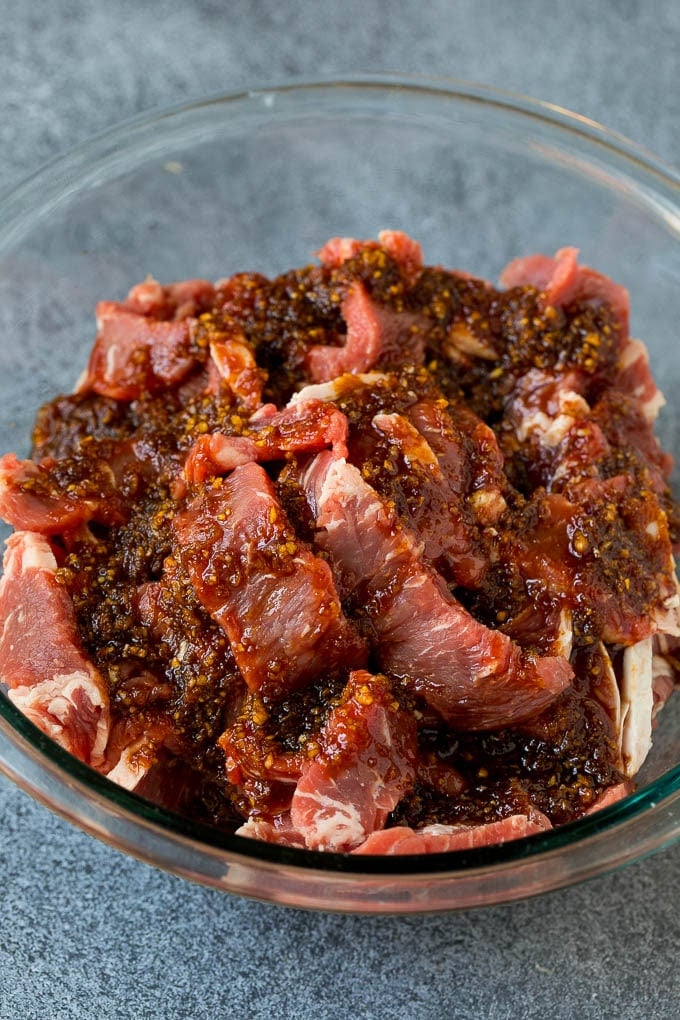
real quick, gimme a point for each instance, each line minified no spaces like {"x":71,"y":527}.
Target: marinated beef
{"x":371,"y":557}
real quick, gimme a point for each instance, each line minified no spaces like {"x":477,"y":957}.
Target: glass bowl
{"x":258,"y":181}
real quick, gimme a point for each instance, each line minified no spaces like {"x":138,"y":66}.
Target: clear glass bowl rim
{"x":57,"y":180}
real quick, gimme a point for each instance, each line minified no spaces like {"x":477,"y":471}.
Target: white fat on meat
{"x":461,"y":340}
{"x":60,"y":704}
{"x":637,"y":704}
{"x":337,"y":823}
{"x":412,"y":445}
{"x":667,"y":619}
{"x":366,"y":766}
{"x":336,"y":388}
{"x":563,"y":642}
{"x":663,"y":680}
{"x":548,"y":429}
{"x":272,"y":830}
{"x":634,"y":369}
{"x":48,"y":676}
{"x":609,"y":694}
{"x":134,"y":763}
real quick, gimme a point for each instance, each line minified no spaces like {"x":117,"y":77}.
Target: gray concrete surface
{"x":88,"y":933}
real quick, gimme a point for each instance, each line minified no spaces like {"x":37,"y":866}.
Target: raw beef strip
{"x":143,"y":344}
{"x":445,"y":838}
{"x":376,"y":334}
{"x":275,"y":600}
{"x":38,"y":496}
{"x":551,"y":420}
{"x":476,"y":678}
{"x":440,"y":516}
{"x":564,"y":283}
{"x":41,"y":660}
{"x":181,"y":300}
{"x":365,"y":766}
{"x":566,"y":439}
{"x":98,"y":482}
{"x":406,"y":252}
{"x":448,"y":481}
{"x":30,"y":502}
{"x":133,"y":354}
{"x":134,"y":756}
{"x":304,"y":427}
{"x":468,"y":454}
{"x":612,"y":795}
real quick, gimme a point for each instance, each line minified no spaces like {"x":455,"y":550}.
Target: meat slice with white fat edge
{"x":274,"y":598}
{"x":41,"y":660}
{"x":468,"y":454}
{"x":445,"y":838}
{"x":181,"y":300}
{"x":365,"y":766}
{"x":475,"y":677}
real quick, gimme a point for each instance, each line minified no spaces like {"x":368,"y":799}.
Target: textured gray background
{"x":86,"y":932}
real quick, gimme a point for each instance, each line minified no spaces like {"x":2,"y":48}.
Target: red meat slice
{"x":134,"y":749}
{"x":275,"y":600}
{"x":564,"y":283}
{"x":142,"y":344}
{"x":476,"y":678}
{"x":96,"y":485}
{"x":339,"y":250}
{"x":440,"y":517}
{"x":552,"y":422}
{"x":174,"y":301}
{"x":365,"y":767}
{"x":375,"y":335}
{"x":49,"y":677}
{"x":28,"y":501}
{"x":133,"y":354}
{"x":612,"y":795}
{"x":468,"y":454}
{"x":556,"y":544}
{"x":406,"y":252}
{"x":555,"y":548}
{"x":403,"y":249}
{"x":445,"y":838}
{"x":306,"y":426}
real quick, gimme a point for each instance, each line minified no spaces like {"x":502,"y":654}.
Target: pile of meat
{"x":372,"y":557}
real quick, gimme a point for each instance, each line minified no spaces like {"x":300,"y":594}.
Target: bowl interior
{"x":259,"y":181}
